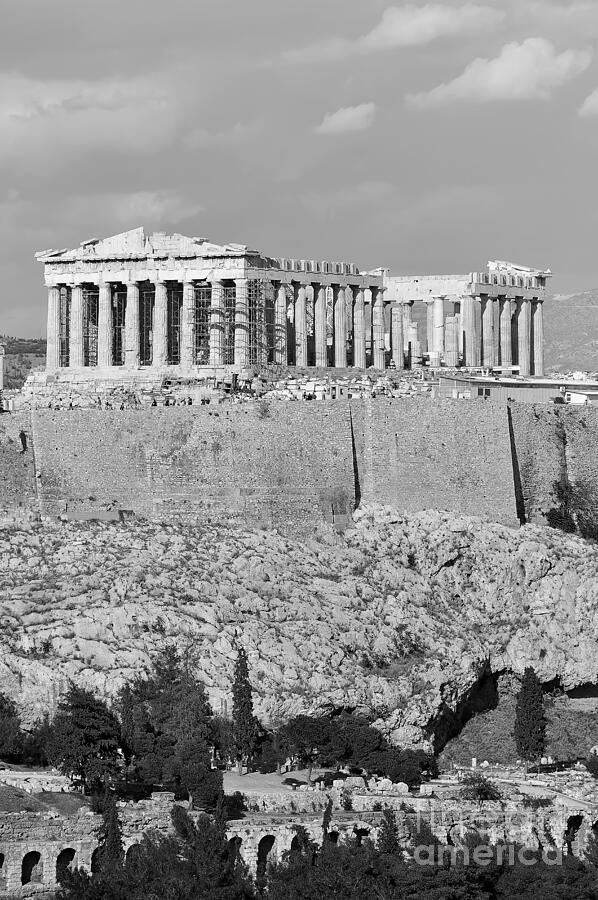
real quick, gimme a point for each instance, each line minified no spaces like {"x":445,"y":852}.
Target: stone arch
{"x":32,"y":870}
{"x":2,"y":870}
{"x":574,"y":824}
{"x":332,"y":837}
{"x":263,"y":849}
{"x":295,"y":848}
{"x":65,"y":861}
{"x":95,"y":860}
{"x":360,"y":833}
{"x":234,"y":845}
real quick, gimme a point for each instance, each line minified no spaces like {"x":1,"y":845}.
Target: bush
{"x":592,"y":765}
{"x":476,"y":788}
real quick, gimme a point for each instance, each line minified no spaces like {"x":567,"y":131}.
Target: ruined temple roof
{"x":135,"y":244}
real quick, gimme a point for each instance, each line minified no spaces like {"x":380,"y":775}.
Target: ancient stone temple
{"x":492,"y":319}
{"x":169,"y":304}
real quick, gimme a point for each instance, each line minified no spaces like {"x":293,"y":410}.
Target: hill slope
{"x":571,"y":332}
{"x":399,"y":618}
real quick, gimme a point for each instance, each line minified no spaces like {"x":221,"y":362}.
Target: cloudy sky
{"x":426,"y":137}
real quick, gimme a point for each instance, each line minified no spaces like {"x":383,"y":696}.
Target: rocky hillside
{"x":571,"y":332}
{"x":401,"y":617}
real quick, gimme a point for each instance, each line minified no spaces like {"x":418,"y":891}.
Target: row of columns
{"x":494,"y":346}
{"x":341,"y":296}
{"x":482,"y":333}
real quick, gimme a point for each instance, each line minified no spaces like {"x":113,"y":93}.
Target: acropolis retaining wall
{"x":291,"y":465}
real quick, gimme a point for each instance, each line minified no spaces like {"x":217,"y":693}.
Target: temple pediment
{"x":135,"y":244}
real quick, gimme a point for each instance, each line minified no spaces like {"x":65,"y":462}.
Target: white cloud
{"x":56,"y":121}
{"x":348,"y":119}
{"x":406,"y":26}
{"x":589,"y":107}
{"x":412,"y":26}
{"x":527,"y":71}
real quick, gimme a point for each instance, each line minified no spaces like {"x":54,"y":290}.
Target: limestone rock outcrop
{"x":398,"y":618}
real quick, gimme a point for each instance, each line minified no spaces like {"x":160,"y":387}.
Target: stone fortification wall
{"x":556,"y":449}
{"x":280,"y":465}
{"x":538,"y":437}
{"x":448,"y":455}
{"x":18,"y":490}
{"x":291,"y":465}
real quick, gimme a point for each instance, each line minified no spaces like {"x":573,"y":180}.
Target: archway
{"x":574,"y":823}
{"x":234,"y":846}
{"x":360,"y":835}
{"x":2,"y":870}
{"x":263,"y":849}
{"x":64,"y":863}
{"x":31,"y":868}
{"x":95,"y":860}
{"x":332,"y":837}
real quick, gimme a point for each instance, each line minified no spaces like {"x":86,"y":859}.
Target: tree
{"x":530,"y":724}
{"x":307,"y":739}
{"x":84,"y":739}
{"x":11,"y":736}
{"x":245,"y":725}
{"x":592,"y":765}
{"x":168,"y":727}
{"x":476,"y":788}
{"x":388,"y":836}
{"x":110,"y":846}
{"x":195,"y":862}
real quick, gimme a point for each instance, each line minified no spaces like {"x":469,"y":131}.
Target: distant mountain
{"x":571,"y":332}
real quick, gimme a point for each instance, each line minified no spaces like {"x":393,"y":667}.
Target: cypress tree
{"x":245,"y":726}
{"x":111,"y":855}
{"x":530,"y":724}
{"x":388,"y":836}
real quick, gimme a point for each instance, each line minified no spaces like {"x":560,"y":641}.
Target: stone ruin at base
{"x":135,"y":308}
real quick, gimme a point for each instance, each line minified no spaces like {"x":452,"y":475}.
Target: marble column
{"x":76,"y":335}
{"x":438,"y":335}
{"x":53,"y":332}
{"x":378,"y":328}
{"x":506,"y":348}
{"x":188,"y":326}
{"x":488,"y":357}
{"x":300,"y":325}
{"x":451,"y":341}
{"x":538,"y":330}
{"x":429,"y":325}
{"x":241,"y":323}
{"x":524,"y":336}
{"x":359,"y":358}
{"x":396,"y":336}
{"x":105,"y":325}
{"x":132,"y":336}
{"x":471,"y":349}
{"x":321,"y":333}
{"x":280,"y":325}
{"x":340,"y":327}
{"x":160,"y":342}
{"x":407,"y":310}
{"x":216,"y":324}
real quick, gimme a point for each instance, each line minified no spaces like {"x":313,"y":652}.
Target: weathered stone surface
{"x":398,"y":619}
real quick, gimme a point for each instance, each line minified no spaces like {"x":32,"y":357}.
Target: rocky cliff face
{"x":400,"y":617}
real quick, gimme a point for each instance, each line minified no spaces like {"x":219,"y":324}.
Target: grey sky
{"x":426,"y":137}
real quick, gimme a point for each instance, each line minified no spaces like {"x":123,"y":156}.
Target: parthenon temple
{"x":169,"y":304}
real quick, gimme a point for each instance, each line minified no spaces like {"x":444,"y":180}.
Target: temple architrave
{"x":178,"y":305}
{"x":143,"y":307}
